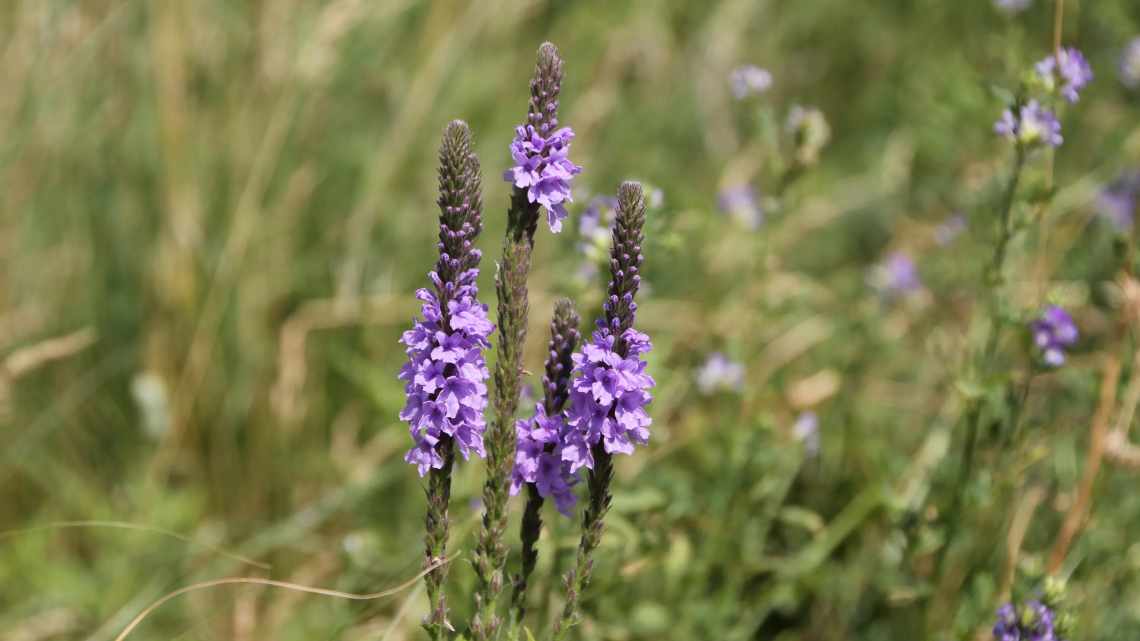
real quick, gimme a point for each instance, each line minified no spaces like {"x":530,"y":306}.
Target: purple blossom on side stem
{"x":543,"y":168}
{"x":1067,"y":72}
{"x":538,"y":455}
{"x":1053,"y":333}
{"x":538,"y":460}
{"x":543,"y":171}
{"x":1031,"y":125}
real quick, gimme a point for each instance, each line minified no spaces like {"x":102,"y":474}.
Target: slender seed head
{"x":542,"y":112}
{"x":625,"y":262}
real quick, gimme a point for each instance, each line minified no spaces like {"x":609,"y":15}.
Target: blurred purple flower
{"x":1013,"y":6}
{"x":896,"y":276}
{"x":949,"y":229}
{"x":719,"y":373}
{"x":1130,"y":64}
{"x":1117,"y":202}
{"x":1053,"y":332}
{"x":806,"y":431}
{"x":1032,"y":125}
{"x":741,"y":203}
{"x":1066,"y":71}
{"x":598,"y":217}
{"x":543,"y":168}
{"x":1005,"y":628}
{"x":749,"y":80}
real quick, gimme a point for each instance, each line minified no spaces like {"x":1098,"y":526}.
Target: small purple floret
{"x":1053,"y":332}
{"x":1032,"y":124}
{"x":1067,"y":70}
{"x":544,"y":170}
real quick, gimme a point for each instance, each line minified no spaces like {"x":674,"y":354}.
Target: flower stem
{"x":435,"y":540}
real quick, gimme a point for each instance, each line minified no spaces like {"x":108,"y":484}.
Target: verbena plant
{"x":594,"y":394}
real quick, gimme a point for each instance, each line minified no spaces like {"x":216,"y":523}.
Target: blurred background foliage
{"x":214,"y":214}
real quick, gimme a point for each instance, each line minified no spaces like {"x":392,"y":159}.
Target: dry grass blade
{"x":123,"y":525}
{"x":276,"y":584}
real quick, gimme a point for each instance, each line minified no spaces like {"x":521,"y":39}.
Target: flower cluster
{"x":538,"y":459}
{"x":1130,"y":64}
{"x":608,"y":396}
{"x":1053,"y":332}
{"x":719,"y":373}
{"x":1066,"y":72}
{"x":446,"y":375}
{"x":749,"y":80}
{"x":1034,"y":623}
{"x":1030,"y":125}
{"x":543,"y":169}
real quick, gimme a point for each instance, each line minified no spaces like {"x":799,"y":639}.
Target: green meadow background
{"x":214,"y":213}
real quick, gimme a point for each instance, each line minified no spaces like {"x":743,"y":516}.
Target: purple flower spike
{"x":445,"y":376}
{"x":1031,"y":125}
{"x":543,"y":169}
{"x":1067,"y":72}
{"x":610,"y":389}
{"x":538,"y":454}
{"x":1053,"y":333}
